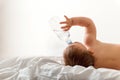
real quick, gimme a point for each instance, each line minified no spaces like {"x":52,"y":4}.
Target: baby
{"x":93,"y":52}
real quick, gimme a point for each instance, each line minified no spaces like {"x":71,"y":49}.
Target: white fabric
{"x":37,"y":68}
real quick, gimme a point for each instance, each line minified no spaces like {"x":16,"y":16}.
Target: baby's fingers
{"x":63,"y":22}
{"x":66,"y":18}
{"x":65,"y":28}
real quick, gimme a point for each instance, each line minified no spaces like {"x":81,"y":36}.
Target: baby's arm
{"x":90,"y":29}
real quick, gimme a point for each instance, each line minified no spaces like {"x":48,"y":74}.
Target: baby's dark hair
{"x":76,"y":56}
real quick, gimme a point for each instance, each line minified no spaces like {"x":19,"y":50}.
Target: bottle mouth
{"x":69,"y":42}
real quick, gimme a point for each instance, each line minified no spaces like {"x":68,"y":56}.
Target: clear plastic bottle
{"x":56,"y":27}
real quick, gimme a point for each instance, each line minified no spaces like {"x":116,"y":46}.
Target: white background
{"x":25,"y":30}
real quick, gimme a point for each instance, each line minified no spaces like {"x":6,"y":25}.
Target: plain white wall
{"x":25,"y":30}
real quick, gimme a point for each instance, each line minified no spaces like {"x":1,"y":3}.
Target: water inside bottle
{"x":62,"y":35}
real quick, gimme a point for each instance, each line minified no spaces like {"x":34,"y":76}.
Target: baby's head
{"x":77,"y":54}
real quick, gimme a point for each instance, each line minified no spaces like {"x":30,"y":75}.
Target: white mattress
{"x":50,"y":68}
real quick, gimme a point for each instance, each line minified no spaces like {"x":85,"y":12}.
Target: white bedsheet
{"x":37,"y":68}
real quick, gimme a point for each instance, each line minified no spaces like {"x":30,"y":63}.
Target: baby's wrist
{"x":71,"y":21}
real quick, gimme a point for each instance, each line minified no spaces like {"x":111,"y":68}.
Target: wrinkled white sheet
{"x":37,"y":68}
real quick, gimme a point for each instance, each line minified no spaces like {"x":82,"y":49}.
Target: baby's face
{"x":79,"y":45}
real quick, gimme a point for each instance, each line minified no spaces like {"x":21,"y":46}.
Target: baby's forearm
{"x":81,"y":21}
{"x":90,"y":29}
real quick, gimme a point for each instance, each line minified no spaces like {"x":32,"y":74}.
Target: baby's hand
{"x":68,"y":23}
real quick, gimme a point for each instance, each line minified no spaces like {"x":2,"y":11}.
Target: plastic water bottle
{"x":56,"y":27}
